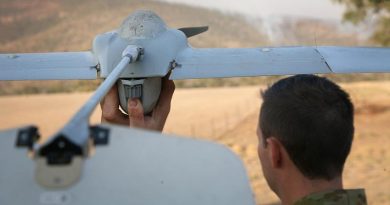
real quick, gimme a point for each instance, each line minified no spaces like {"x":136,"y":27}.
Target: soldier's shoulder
{"x":335,"y":197}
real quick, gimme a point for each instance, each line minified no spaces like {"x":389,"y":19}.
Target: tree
{"x":358,"y":10}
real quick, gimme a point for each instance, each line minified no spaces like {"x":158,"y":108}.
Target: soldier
{"x":305,"y":134}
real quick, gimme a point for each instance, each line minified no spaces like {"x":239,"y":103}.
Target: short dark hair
{"x":313,"y":119}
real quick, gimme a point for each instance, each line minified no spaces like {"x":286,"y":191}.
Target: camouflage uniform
{"x":335,"y":197}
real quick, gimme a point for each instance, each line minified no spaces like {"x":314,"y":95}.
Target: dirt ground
{"x":229,"y":116}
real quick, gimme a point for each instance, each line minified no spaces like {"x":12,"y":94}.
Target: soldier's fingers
{"x":163,"y":106}
{"x":110,"y":108}
{"x":167,"y":88}
{"x":136,"y":113}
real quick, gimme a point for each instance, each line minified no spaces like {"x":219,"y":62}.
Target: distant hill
{"x":70,"y":25}
{"x":305,"y":31}
{"x":57,"y":25}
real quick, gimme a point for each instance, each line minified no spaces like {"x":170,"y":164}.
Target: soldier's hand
{"x":136,"y":118}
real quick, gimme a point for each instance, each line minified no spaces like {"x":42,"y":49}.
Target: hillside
{"x":56,"y":25}
{"x":306,"y":31}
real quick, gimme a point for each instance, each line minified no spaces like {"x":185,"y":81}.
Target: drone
{"x":130,"y":166}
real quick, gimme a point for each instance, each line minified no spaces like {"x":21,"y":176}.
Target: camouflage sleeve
{"x":335,"y":197}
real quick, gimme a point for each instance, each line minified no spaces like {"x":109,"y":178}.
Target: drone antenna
{"x":315,"y":35}
{"x":77,"y":128}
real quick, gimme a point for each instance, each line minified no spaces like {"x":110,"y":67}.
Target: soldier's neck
{"x":299,"y":187}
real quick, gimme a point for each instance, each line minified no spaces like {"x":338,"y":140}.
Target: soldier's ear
{"x":275,"y":152}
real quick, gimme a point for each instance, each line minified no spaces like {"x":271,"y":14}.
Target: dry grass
{"x":229,"y":116}
{"x":193,"y":110}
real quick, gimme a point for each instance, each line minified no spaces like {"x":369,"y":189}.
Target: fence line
{"x":217,"y":125}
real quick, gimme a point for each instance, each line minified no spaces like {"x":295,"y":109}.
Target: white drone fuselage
{"x":143,"y":78}
{"x":166,"y":50}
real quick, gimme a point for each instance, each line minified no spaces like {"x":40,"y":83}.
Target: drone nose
{"x":142,"y":24}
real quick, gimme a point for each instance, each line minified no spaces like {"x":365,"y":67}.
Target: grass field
{"x":229,"y":116}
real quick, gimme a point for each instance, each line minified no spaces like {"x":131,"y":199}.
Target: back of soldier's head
{"x":313,"y":118}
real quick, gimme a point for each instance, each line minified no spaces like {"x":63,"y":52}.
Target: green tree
{"x":358,"y":10}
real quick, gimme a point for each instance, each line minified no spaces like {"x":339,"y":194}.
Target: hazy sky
{"x":323,"y":9}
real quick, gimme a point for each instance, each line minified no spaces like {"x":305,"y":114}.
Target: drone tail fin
{"x":193,"y":31}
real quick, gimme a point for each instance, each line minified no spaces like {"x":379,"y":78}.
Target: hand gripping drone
{"x":136,"y":57}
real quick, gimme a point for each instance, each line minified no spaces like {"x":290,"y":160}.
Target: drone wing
{"x":242,"y":62}
{"x":356,"y":60}
{"x":134,"y":167}
{"x":48,"y":66}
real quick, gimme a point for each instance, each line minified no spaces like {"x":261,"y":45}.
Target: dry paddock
{"x":229,"y":116}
